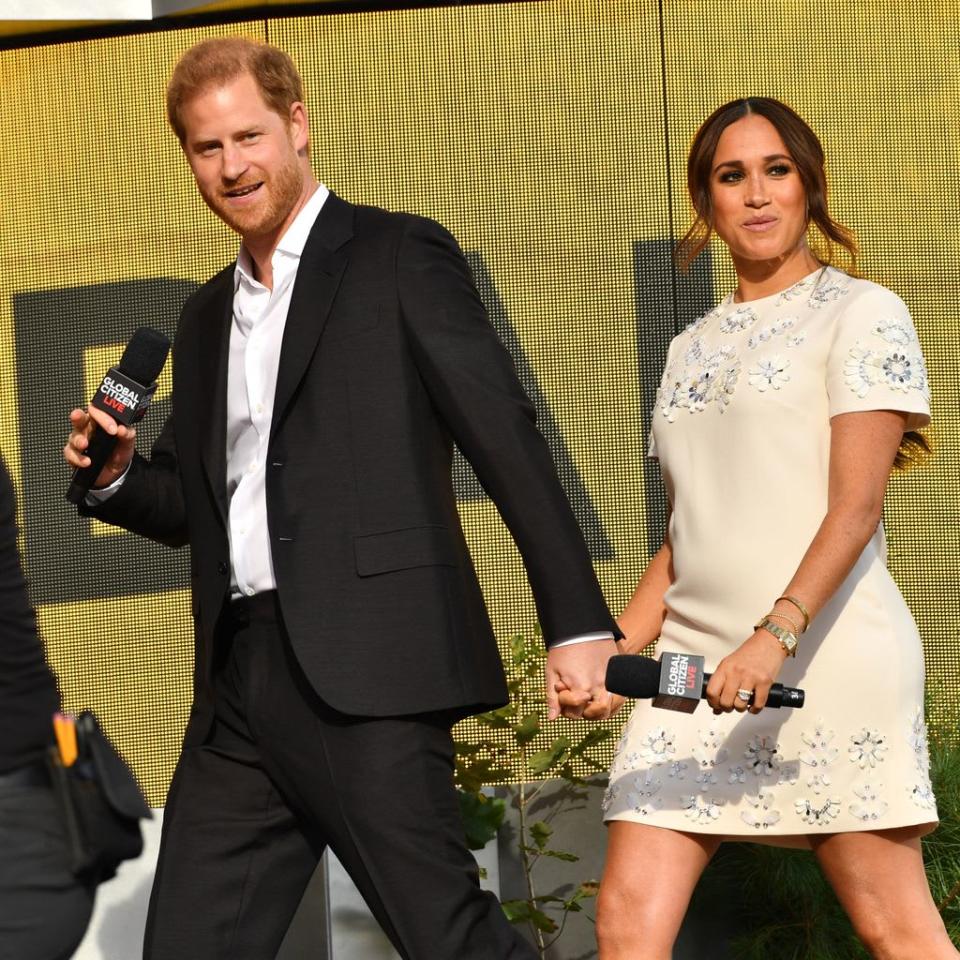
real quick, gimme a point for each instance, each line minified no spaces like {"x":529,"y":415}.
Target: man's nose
{"x":232,"y":163}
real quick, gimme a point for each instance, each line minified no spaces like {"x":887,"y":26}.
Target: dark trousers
{"x":282,"y":775}
{"x":44,"y":909}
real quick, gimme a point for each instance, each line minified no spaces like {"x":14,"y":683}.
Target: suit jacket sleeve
{"x":150,"y":501}
{"x":473,"y":384}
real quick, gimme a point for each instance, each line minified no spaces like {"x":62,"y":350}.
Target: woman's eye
{"x":731,"y":176}
{"x":779,"y":170}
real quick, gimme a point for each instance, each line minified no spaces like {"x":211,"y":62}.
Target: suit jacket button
{"x":223,"y":567}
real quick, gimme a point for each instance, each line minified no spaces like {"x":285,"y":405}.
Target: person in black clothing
{"x":44,"y":909}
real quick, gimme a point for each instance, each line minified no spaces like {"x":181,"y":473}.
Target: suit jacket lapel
{"x":318,"y":278}
{"x":212,"y":387}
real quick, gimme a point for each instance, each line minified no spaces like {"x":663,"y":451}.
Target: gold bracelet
{"x":782,"y":616}
{"x":799,"y":606}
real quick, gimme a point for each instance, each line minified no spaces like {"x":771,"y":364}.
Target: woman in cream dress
{"x":778,"y":419}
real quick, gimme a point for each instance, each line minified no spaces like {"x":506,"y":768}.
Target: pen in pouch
{"x":64,"y":727}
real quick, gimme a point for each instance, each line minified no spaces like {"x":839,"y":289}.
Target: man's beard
{"x":282,"y":192}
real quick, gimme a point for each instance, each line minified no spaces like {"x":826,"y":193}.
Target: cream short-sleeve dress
{"x":742,"y":431}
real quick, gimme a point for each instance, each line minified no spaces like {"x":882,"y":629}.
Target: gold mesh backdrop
{"x":550,"y":138}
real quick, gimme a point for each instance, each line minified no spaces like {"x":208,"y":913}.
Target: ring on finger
{"x":744,"y":695}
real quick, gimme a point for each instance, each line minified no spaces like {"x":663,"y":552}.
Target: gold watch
{"x":787,"y":639}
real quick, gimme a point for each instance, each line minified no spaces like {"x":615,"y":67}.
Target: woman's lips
{"x":761,"y":225}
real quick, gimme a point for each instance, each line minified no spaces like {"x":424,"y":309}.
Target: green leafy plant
{"x":786,"y":905}
{"x":519,"y":752}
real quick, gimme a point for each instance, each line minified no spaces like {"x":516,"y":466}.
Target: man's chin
{"x":249,"y":226}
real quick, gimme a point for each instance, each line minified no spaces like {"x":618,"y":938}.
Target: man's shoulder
{"x":369,"y":218}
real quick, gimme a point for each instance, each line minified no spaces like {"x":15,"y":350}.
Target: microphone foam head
{"x":633,"y":676}
{"x":145,"y":355}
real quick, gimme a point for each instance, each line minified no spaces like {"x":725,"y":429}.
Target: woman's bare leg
{"x":880,"y":880}
{"x":647,"y":883}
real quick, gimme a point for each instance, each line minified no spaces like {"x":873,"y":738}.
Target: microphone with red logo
{"x":125,"y":394}
{"x":677,"y":682}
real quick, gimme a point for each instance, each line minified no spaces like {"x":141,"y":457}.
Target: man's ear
{"x":299,"y":126}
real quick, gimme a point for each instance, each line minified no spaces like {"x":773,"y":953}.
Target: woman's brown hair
{"x":807,"y":153}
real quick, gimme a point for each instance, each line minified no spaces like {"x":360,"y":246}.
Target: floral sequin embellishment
{"x":643,"y":798}
{"x":701,"y":809}
{"x":741,"y":319}
{"x":818,"y":755}
{"x":609,"y":797}
{"x":658,"y":745}
{"x":710,"y":750}
{"x":921,"y":792}
{"x":868,"y":806}
{"x":762,"y":756}
{"x":701,"y":379}
{"x":818,"y":814}
{"x":770,"y":372}
{"x":898,"y":365}
{"x":761,"y":814}
{"x":867,"y":748}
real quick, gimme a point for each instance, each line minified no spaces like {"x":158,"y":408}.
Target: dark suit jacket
{"x":387,"y":359}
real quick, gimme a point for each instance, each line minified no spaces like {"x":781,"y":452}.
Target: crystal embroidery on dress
{"x":921,"y":792}
{"x":898,"y":365}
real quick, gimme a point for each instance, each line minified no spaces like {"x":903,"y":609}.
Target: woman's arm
{"x":640,"y":622}
{"x":862,"y":448}
{"x":643,"y":616}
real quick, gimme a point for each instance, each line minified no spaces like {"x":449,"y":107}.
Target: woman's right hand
{"x":82,"y":424}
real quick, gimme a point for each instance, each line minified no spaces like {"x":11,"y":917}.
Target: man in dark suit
{"x":319,"y":384}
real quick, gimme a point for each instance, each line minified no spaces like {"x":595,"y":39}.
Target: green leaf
{"x":501,"y":719}
{"x":543,"y":760}
{"x":482,"y":817}
{"x":522,"y":911}
{"x":518,"y":648}
{"x":560,"y":855}
{"x":540,"y":833}
{"x":472,"y":776}
{"x":528,"y":727}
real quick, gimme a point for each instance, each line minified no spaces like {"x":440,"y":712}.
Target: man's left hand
{"x":579,"y":671}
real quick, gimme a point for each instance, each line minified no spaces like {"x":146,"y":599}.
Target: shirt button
{"x":252,"y":468}
{"x":259,"y":408}
{"x":223,"y":567}
{"x":249,"y":591}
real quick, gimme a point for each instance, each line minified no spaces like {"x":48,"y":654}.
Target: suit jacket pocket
{"x":404,"y":549}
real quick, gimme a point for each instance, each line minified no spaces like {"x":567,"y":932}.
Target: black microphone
{"x":677,"y":682}
{"x":125,"y":394}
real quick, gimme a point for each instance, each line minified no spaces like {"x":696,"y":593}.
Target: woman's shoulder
{"x":862,"y":295}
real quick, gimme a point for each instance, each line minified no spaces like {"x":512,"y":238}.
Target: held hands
{"x":575,"y":678}
{"x":81,"y":427}
{"x":753,"y":666}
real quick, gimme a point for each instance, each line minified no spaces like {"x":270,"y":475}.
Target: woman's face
{"x":759,"y":204}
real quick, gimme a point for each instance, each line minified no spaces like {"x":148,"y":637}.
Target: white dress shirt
{"x":256,"y":333}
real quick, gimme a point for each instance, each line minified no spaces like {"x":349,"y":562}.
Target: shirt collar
{"x":293,"y":240}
